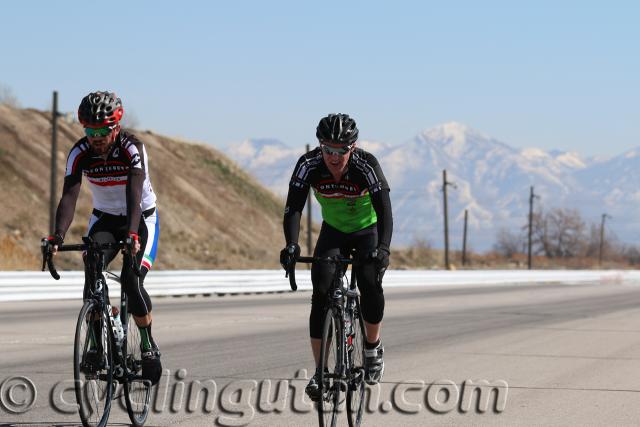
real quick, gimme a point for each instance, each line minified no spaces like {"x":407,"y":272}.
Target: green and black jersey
{"x":349,"y":205}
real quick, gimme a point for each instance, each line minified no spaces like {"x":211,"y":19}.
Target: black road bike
{"x":106,"y":351}
{"x":342,"y":350}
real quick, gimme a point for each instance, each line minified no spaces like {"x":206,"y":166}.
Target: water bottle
{"x":117,"y":323}
{"x":347,"y":325}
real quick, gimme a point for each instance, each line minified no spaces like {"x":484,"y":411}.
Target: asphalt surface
{"x":552,"y":354}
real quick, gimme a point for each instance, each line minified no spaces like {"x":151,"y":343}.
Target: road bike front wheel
{"x":331,"y":379}
{"x":93,"y":365}
{"x":137,"y":392}
{"x":355,"y":373}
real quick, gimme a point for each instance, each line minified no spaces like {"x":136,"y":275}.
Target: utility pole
{"x":464,"y":238}
{"x":445,"y":183}
{"x":309,"y":222}
{"x":54,"y":163}
{"x":604,"y":216}
{"x":531,"y":197}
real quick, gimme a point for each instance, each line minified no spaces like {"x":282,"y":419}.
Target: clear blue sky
{"x":550,"y":74}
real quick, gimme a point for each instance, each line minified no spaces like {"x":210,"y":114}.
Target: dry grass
{"x":419,"y":256}
{"x":14,"y":255}
{"x":425,"y":257}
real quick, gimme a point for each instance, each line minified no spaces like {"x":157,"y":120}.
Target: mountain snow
{"x":491,"y":180}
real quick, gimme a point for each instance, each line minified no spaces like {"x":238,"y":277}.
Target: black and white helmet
{"x":100,"y":109}
{"x":337,"y":128}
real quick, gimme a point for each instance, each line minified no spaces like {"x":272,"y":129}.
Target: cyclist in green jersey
{"x":356,"y":212}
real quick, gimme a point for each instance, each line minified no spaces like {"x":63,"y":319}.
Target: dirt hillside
{"x":212,"y":214}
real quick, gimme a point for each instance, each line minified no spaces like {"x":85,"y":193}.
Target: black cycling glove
{"x":289,"y":255}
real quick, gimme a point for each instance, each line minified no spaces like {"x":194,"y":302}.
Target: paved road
{"x":557,"y":355}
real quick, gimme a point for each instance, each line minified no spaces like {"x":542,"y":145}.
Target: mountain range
{"x":492,"y":181}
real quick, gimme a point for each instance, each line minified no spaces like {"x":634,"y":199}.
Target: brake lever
{"x":47,"y":258}
{"x":44,"y":248}
{"x":132,"y":257}
{"x":292,"y":277}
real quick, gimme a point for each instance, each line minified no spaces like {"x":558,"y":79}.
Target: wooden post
{"x":531,"y":197}
{"x":54,"y":164}
{"x":600,"y":252}
{"x":447,"y":266}
{"x":464,"y":238}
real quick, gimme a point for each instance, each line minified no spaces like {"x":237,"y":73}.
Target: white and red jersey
{"x":108,"y":177}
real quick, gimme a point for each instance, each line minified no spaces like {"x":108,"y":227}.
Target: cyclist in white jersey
{"x":114,"y":163}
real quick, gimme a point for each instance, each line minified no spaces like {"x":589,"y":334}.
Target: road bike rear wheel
{"x":355,"y":375}
{"x":331,"y":379}
{"x":137,"y":392}
{"x":93,"y":365}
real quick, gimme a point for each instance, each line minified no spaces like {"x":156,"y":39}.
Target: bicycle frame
{"x":118,"y":365}
{"x":342,"y":306}
{"x":96,"y":289}
{"x":341,"y":302}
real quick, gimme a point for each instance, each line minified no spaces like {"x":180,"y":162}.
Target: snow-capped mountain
{"x":615,"y":185}
{"x":269,"y":160}
{"x":492,"y":181}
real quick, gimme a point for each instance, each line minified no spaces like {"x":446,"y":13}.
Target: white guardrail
{"x":29,"y":285}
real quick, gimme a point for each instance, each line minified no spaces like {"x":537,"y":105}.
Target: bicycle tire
{"x":330,"y":368}
{"x":93,"y":383}
{"x":137,"y":392}
{"x":355,"y":359}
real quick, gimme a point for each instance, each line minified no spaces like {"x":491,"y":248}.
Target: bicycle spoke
{"x":93,"y":366}
{"x":137,"y":392}
{"x":355,"y":354}
{"x":331,"y":380}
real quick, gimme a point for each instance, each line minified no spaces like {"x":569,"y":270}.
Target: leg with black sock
{"x":146,"y":339}
{"x":371,"y":346}
{"x":151,"y":364}
{"x":140,"y":308}
{"x":373,"y":357}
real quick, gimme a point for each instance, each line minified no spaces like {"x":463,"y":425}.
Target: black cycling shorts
{"x":333,"y":242}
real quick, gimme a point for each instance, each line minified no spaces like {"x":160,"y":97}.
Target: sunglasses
{"x":98,"y":132}
{"x":341,"y":151}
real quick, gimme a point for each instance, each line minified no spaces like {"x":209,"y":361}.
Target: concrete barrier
{"x":29,"y":285}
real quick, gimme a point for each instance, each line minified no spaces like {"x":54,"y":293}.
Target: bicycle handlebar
{"x":89,"y":245}
{"x":291,"y":272}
